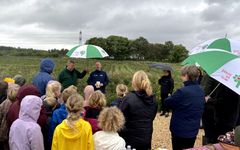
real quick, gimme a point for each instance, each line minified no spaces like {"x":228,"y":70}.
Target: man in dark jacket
{"x":44,"y":75}
{"x":98,"y":78}
{"x":187,"y":104}
{"x":69,"y":76}
{"x":221,"y":109}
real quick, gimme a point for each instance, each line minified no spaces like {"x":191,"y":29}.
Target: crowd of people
{"x":51,"y":114}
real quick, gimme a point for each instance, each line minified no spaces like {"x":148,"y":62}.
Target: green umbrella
{"x":87,"y":51}
{"x":226,"y":44}
{"x":220,"y":65}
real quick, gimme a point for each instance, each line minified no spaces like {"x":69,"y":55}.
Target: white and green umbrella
{"x":229,"y":45}
{"x":220,"y":65}
{"x":87,"y":51}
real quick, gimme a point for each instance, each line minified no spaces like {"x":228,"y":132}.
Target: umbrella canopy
{"x":161,"y":66}
{"x":87,"y":51}
{"x":226,"y":44}
{"x":220,"y":65}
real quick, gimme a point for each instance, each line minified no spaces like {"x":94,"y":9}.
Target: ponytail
{"x":74,"y":107}
{"x":146,"y":86}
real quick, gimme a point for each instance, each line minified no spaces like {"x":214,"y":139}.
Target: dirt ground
{"x":162,"y":136}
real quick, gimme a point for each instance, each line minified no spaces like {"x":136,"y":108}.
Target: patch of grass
{"x":118,"y":71}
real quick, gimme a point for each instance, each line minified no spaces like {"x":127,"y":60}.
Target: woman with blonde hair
{"x":139,"y":108}
{"x":111,"y":120}
{"x":73,"y":133}
{"x":97,"y":101}
{"x":121,"y":91}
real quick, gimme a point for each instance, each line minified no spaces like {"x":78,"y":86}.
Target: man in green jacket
{"x":70,"y":75}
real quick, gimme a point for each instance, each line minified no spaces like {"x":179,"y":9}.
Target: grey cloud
{"x":59,"y":21}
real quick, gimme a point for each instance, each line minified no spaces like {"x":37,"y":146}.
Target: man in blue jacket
{"x":44,"y":75}
{"x":187,"y":105}
{"x":98,"y":78}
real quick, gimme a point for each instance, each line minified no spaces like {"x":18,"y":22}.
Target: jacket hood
{"x":146,"y":99}
{"x":30,"y":108}
{"x":72,"y":133}
{"x":47,"y":65}
{"x":27,"y":90}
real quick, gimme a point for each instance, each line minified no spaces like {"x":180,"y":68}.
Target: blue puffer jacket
{"x":187,"y":105}
{"x":42,"y":78}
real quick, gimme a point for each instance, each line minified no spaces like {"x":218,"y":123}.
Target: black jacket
{"x":139,"y":111}
{"x":226,"y":105}
{"x":167,"y":84}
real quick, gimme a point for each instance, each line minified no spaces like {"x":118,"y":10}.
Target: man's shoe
{"x":167,"y":115}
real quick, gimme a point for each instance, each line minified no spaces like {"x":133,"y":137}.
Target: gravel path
{"x":162,"y":135}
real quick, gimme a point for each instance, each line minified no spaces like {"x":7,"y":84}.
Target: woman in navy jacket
{"x":187,"y":105}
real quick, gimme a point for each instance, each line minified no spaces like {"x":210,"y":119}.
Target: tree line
{"x":12,"y":51}
{"x":140,"y":49}
{"x":120,"y":48}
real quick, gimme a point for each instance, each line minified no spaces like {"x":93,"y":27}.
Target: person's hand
{"x":207,"y":98}
{"x":98,"y":84}
{"x":101,"y":84}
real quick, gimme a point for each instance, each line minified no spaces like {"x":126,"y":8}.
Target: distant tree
{"x":102,"y":42}
{"x":139,"y":48}
{"x":156,"y":51}
{"x":118,"y":47}
{"x":168,"y":46}
{"x":178,"y":54}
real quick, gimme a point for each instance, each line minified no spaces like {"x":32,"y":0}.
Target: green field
{"x":118,"y":71}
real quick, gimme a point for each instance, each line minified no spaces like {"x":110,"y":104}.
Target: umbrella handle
{"x":214,"y":90}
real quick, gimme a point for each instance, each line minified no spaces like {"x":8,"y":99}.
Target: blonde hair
{"x":51,"y":101}
{"x":12,"y":91}
{"x":191,"y":71}
{"x":97,"y":99}
{"x":52,"y":87}
{"x":140,"y":82}
{"x":111,"y":119}
{"x":74,"y":107}
{"x":121,"y":90}
{"x":68,"y":92}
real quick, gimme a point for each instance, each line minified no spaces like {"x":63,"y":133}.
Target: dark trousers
{"x":209,"y":123}
{"x":164,"y":109}
{"x":179,"y":143}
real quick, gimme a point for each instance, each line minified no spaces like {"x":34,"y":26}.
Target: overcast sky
{"x":46,"y":24}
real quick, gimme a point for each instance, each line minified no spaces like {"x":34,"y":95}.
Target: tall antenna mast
{"x":80,"y":38}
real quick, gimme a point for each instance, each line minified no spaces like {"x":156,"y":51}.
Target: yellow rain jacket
{"x":77,"y":138}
